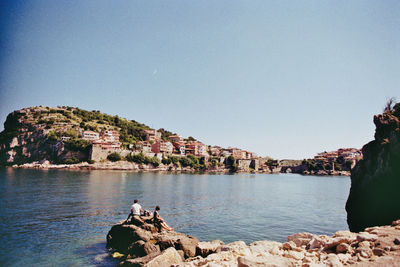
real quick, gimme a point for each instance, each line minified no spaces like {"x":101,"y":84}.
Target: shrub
{"x":174,"y":160}
{"x":71,"y":133}
{"x":114,"y":157}
{"x":72,"y":160}
{"x":154,"y":161}
{"x":396,"y":110}
{"x":90,"y":161}
{"x":166,"y":161}
{"x":184,"y":161}
{"x":53,"y":136}
{"x":193,"y":159}
{"x":137,"y":158}
{"x":348,"y":164}
{"x":231,"y":161}
{"x":214,"y":162}
{"x":77,"y":144}
{"x":338,"y":167}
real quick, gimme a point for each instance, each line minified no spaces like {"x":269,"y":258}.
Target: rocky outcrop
{"x":375,"y":180}
{"x":165,"y":259}
{"x":144,"y":246}
{"x":377,"y":246}
{"x":26,"y":139}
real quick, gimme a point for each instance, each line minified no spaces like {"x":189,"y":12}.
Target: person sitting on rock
{"x":136,"y":210}
{"x":159,"y":221}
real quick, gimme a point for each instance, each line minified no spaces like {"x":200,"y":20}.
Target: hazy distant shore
{"x":129,"y":166}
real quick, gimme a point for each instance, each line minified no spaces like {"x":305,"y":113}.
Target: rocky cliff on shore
{"x":375,"y":180}
{"x":142,"y":245}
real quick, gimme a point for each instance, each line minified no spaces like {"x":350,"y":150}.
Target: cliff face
{"x":375,"y":180}
{"x":33,"y":134}
{"x":22,"y":141}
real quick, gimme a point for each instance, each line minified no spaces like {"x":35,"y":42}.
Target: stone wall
{"x":98,"y":154}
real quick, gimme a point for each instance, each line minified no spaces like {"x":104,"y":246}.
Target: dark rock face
{"x":142,"y":243}
{"x":375,"y":181}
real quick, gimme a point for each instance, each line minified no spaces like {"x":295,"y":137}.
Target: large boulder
{"x":300,"y":239}
{"x":375,"y":180}
{"x":122,"y":236}
{"x":264,"y":261}
{"x":138,"y":262}
{"x":188,"y":244}
{"x":167,"y":258}
{"x":206,"y":248}
{"x":140,"y":244}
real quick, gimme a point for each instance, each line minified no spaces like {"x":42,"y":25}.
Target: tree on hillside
{"x":231,"y":162}
{"x":114,"y":157}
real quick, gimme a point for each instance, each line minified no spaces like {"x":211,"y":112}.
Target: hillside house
{"x":101,"y":149}
{"x":196,"y":148}
{"x":106,"y":145}
{"x":175,"y":138}
{"x":349,"y":153}
{"x":109,"y":135}
{"x":251,"y":155}
{"x":143,"y":146}
{"x":90,"y":135}
{"x":215,"y":150}
{"x":151,"y":135}
{"x":180,"y":147}
{"x":65,"y":138}
{"x":236,"y":152}
{"x":160,"y":146}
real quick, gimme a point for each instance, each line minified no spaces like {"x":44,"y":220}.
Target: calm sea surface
{"x":61,"y":218}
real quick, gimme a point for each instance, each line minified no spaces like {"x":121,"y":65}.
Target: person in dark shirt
{"x":159,"y":221}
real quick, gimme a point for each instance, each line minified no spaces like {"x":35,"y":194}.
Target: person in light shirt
{"x":136,"y":211}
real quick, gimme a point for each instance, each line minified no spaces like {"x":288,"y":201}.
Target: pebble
{"x":378,"y":251}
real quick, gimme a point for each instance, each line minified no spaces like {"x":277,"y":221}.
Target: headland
{"x":73,"y":138}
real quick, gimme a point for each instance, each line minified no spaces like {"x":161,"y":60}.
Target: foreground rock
{"x":377,"y":246}
{"x":143,"y":246}
{"x":375,"y":180}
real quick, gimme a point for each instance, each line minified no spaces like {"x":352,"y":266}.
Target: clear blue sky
{"x":285,"y":79}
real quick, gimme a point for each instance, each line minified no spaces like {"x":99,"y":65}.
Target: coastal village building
{"x":352,"y":154}
{"x":90,"y":135}
{"x":143,"y":146}
{"x":180,"y":147}
{"x":151,"y":135}
{"x":109,"y":135}
{"x":196,"y":148}
{"x":251,"y":155}
{"x":160,"y":146}
{"x":65,"y":138}
{"x":226,"y":153}
{"x":237,"y":153}
{"x":175,"y":138}
{"x":107,"y":144}
{"x":215,"y":151}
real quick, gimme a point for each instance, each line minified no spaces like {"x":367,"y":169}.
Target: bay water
{"x":61,"y":218}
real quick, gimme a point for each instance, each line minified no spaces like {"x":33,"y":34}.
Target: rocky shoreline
{"x":129,"y":166}
{"x":142,"y":245}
